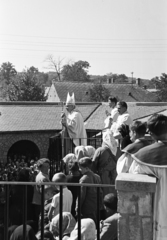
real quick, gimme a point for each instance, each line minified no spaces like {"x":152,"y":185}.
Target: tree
{"x":26,"y":87}
{"x":7,"y":72}
{"x":99,"y":93}
{"x":161,"y":86}
{"x":55,"y":64}
{"x":76,"y":71}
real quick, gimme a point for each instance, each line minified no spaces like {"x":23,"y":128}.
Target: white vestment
{"x":160,"y":198}
{"x":76,"y":129}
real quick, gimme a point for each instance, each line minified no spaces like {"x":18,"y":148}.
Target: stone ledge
{"x":135,"y":182}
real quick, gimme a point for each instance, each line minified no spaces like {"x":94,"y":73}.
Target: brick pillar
{"x":135,"y":204}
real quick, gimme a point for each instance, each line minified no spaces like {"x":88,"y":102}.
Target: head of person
{"x":43,"y":165}
{"x":137,"y":130}
{"x":85,"y":164}
{"x":80,"y":152}
{"x":124,"y":130}
{"x":112,"y":102}
{"x":90,"y":151}
{"x":157,"y":126}
{"x":70,"y":103}
{"x":18,"y":233}
{"x":59,"y":178}
{"x":88,"y":230}
{"x":73,"y":167}
{"x":24,"y":175}
{"x":69,"y":159}
{"x":68,"y":224}
{"x":70,"y":107}
{"x":48,"y":192}
{"x":110,"y":203}
{"x":122,"y":107}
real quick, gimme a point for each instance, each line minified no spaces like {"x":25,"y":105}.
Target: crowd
{"x":124,"y":149}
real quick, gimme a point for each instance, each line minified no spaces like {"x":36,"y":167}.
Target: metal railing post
{"x":42,"y":211}
{"x":24,"y":211}
{"x":60,"y":212}
{"x":6,"y":219}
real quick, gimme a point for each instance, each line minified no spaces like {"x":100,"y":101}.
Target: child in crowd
{"x":48,"y":195}
{"x":108,"y":227}
{"x":88,"y":194}
{"x":67,"y":197}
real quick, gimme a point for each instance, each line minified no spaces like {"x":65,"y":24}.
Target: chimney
{"x":110,"y":80}
{"x":138,"y":81}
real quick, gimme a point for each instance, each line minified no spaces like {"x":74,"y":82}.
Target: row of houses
{"x":128,"y":92}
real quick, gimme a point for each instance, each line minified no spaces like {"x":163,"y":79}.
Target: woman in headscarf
{"x":18,"y":233}
{"x":104,"y":162}
{"x":80,"y":152}
{"x":88,"y":230}
{"x":90,"y":151}
{"x":68,"y":224}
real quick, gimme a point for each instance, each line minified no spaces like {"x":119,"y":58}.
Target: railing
{"x":6,"y":221}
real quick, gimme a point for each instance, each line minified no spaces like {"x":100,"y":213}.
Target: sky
{"x":114,"y":36}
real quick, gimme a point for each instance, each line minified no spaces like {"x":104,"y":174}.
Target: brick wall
{"x":135,"y":204}
{"x":40,"y":139}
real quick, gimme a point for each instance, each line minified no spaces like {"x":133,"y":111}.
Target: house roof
{"x":35,"y":116}
{"x":125,"y":92}
{"x":136,"y":110}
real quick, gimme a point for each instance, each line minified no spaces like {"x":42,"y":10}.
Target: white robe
{"x":76,"y":129}
{"x":160,"y":198}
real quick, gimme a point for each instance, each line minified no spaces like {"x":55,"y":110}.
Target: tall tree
{"x":161,"y":86}
{"x":55,"y":64}
{"x":7,"y":72}
{"x":99,"y":93}
{"x":77,"y":71}
{"x":26,"y":87}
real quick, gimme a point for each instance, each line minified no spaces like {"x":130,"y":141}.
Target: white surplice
{"x":76,"y":128}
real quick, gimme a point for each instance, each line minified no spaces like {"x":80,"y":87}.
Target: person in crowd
{"x":17,"y":199}
{"x":68,"y":224}
{"x":48,"y":195}
{"x":88,"y":194}
{"x":111,"y":117}
{"x":73,"y":177}
{"x":90,"y":151}
{"x":125,"y":137}
{"x":152,"y":160}
{"x":88,"y":230}
{"x":80,"y":152}
{"x":104,"y":163}
{"x":74,"y":123}
{"x":137,"y":136}
{"x":67,"y":197}
{"x":66,"y":159}
{"x":123,"y":118}
{"x":11,"y":230}
{"x":43,"y":165}
{"x":108,"y":227}
{"x":18,"y":233}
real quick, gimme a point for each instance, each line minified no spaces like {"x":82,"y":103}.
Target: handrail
{"x":56,"y":184}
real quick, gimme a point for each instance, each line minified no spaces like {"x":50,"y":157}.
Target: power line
{"x":43,"y":50}
{"x":85,"y":45}
{"x":98,"y":39}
